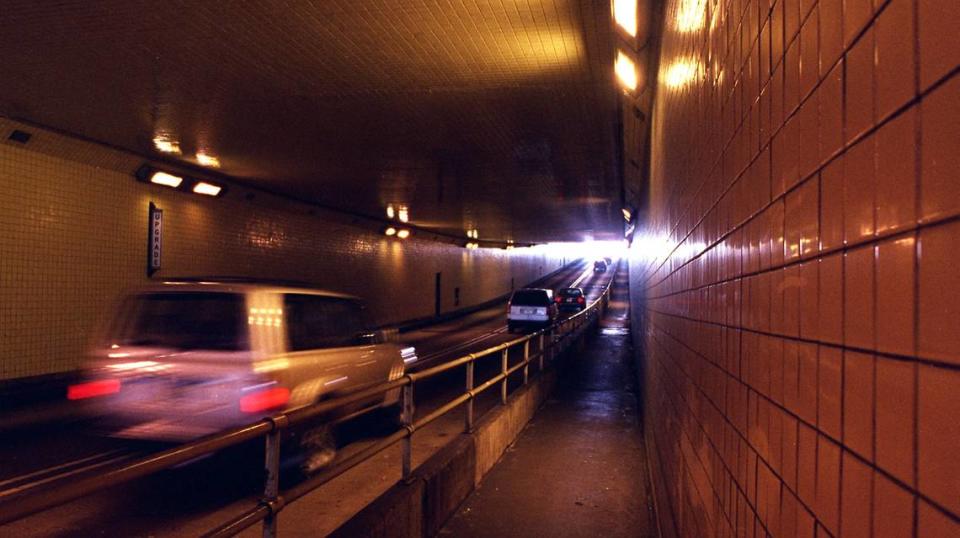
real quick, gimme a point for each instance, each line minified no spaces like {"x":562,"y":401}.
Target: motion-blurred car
{"x":600,"y":266}
{"x":571,"y":299}
{"x":187,"y":358}
{"x":531,"y":308}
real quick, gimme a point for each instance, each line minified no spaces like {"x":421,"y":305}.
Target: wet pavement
{"x":579,"y":468}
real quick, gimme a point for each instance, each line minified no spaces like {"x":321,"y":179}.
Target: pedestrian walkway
{"x":579,"y":468}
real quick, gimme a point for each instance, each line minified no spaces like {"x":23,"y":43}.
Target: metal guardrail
{"x":550,"y":341}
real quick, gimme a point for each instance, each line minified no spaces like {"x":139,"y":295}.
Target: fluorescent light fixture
{"x":168,"y":180}
{"x":208,"y":160}
{"x":403,"y":234}
{"x":165,"y":144}
{"x":403,"y":214}
{"x":390,"y":231}
{"x":691,"y":15}
{"x":390,"y":211}
{"x":680,"y":73}
{"x":208,"y":189}
{"x":625,"y":13}
{"x":626,"y":71}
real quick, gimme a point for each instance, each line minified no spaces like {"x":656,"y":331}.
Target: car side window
{"x":317,"y":322}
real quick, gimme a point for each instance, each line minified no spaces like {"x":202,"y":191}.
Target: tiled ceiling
{"x":500,"y":115}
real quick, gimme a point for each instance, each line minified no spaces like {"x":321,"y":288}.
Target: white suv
{"x":185,"y":358}
{"x":531,"y":307}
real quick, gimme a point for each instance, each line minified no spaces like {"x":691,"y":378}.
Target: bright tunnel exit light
{"x":626,"y":71}
{"x":589,"y":250}
{"x":208,"y":189}
{"x":168,"y":180}
{"x":625,"y":13}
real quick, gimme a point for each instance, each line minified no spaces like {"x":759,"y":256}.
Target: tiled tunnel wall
{"x":796,"y":288}
{"x":73,"y":229}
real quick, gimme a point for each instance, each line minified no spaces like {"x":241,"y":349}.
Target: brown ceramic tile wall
{"x":796,"y":288}
{"x":73,"y":225}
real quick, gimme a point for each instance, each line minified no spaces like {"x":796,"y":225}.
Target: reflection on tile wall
{"x":798,"y":276}
{"x":74,"y":231}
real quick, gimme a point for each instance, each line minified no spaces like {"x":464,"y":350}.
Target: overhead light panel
{"x":625,"y":14}
{"x":403,"y":214}
{"x":208,"y":189}
{"x":208,"y":160}
{"x":626,"y":71}
{"x":166,"y":179}
{"x":166,"y":144}
{"x":680,"y":73}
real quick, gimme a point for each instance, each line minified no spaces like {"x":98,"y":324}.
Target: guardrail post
{"x":271,"y":487}
{"x":542,"y":352}
{"x":407,"y":423}
{"x":469,"y":409}
{"x":526,"y":365}
{"x":503,"y":369}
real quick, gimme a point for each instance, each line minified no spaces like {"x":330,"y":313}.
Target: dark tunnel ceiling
{"x":499,"y":115}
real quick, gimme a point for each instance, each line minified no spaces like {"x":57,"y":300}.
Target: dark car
{"x":600,"y":266}
{"x":571,"y":299}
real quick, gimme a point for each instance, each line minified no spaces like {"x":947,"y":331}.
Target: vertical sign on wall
{"x":154,"y":239}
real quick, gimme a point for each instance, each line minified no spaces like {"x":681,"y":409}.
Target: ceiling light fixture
{"x":625,"y":13}
{"x":626,"y":71}
{"x":681,"y":73}
{"x":208,"y":160}
{"x":165,"y":144}
{"x":165,"y":179}
{"x":390,"y":211}
{"x":208,"y":189}
{"x":403,"y":214}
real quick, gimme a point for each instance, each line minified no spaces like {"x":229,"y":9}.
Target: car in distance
{"x":600,"y":266}
{"x":571,"y":299}
{"x":184,"y":359}
{"x":531,"y":308}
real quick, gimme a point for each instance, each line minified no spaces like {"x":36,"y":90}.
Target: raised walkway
{"x":579,"y":468}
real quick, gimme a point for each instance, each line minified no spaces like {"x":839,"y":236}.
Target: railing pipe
{"x":468,"y":410}
{"x":503,"y":369}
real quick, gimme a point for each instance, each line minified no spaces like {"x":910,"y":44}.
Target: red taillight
{"x":581,"y":300}
{"x":559,"y":300}
{"x":265,"y":399}
{"x":91,"y":389}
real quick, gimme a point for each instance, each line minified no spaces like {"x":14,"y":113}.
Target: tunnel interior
{"x":779,"y":177}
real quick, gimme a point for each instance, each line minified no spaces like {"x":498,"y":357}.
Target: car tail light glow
{"x":91,"y":389}
{"x":581,"y":300}
{"x":265,"y":399}
{"x":559,"y":300}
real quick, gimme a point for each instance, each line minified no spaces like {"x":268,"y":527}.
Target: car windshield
{"x":571,"y":292}
{"x":530,"y":298}
{"x":183,"y":320}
